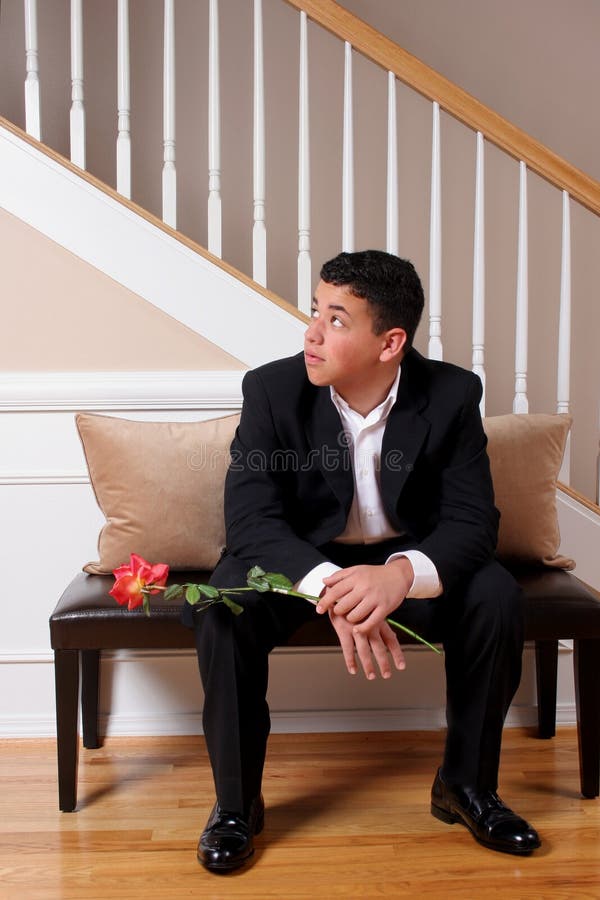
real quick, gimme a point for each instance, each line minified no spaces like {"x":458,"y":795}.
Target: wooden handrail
{"x":150,"y":217}
{"x":451,"y":98}
{"x":575,"y":495}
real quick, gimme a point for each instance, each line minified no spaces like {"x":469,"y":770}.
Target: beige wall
{"x":536,"y":61}
{"x":58,"y":313}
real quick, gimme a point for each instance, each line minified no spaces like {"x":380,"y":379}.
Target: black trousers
{"x":480,"y":624}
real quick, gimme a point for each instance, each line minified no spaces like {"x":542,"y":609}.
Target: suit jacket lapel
{"x":405,"y":432}
{"x":328,"y":442}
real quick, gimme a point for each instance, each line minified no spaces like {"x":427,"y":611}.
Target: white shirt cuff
{"x":312,"y":583}
{"x":426,"y":582}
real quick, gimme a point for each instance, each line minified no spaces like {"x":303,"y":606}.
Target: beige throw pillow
{"x":160,"y":486}
{"x":526,"y":453}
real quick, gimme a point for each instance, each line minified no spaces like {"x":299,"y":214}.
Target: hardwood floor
{"x":347,"y":816}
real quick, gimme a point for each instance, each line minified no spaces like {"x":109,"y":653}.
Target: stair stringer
{"x":580,"y":536}
{"x":147,"y":259}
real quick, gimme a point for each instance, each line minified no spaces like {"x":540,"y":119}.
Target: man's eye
{"x":314,"y":312}
{"x":337,"y":322}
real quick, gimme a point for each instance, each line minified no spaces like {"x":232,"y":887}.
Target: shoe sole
{"x":450,"y":818}
{"x":230,"y":867}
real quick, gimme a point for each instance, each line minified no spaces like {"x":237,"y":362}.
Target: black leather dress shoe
{"x":490,"y":822}
{"x":226,"y":842}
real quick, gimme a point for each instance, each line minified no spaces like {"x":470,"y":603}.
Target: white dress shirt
{"x":367,"y":522}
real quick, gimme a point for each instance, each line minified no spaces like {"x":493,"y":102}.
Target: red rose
{"x":135,"y":581}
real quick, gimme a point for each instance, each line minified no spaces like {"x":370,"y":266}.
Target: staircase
{"x":249,"y":146}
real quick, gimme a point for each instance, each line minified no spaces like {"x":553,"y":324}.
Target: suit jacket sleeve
{"x":257,"y":504}
{"x":465,"y":534}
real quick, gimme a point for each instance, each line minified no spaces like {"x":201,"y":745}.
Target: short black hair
{"x":389,"y":284}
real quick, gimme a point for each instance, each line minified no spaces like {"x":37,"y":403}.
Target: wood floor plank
{"x":347,"y":816}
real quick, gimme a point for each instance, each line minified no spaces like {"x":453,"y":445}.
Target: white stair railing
{"x":169,"y":174}
{"x":123,"y":101}
{"x":77,"y":115}
{"x":348,"y":155}
{"x":214,"y":132}
{"x":391,"y":230}
{"x":520,"y":402}
{"x":397,"y":65}
{"x":564,"y":332}
{"x":32,"y":78}
{"x":435,"y":242}
{"x":259,"y":231}
{"x":304,"y":261}
{"x":478,"y":363}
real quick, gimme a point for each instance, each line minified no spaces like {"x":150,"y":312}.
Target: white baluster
{"x":598,"y":474}
{"x":214,"y":132}
{"x":32,"y":80}
{"x":564,"y":333}
{"x":520,"y":402}
{"x":304,"y":261}
{"x":259,"y":233}
{"x":169,"y":174}
{"x":348,"y":156}
{"x":123,"y":101}
{"x":392,"y":170}
{"x":479,"y":271}
{"x":435,"y":242}
{"x":77,"y":116}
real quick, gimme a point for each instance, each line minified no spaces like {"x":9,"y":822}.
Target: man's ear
{"x":395,"y":342}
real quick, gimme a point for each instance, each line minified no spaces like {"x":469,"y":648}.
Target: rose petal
{"x":135,"y":601}
{"x":127,"y":590}
{"x":138,"y":563}
{"x":159,"y":574}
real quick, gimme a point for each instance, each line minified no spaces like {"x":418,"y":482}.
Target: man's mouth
{"x":311,"y":357}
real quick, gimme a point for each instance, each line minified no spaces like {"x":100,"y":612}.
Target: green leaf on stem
{"x":259,"y":584}
{"x":263,"y":581}
{"x":146,"y":604}
{"x":235,"y":608}
{"x":208,"y":591}
{"x":173,"y":592}
{"x":275,"y":580}
{"x":192,"y":594}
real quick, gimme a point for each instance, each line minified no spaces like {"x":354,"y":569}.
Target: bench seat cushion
{"x":86,"y":617}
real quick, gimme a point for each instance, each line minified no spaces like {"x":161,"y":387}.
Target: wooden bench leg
{"x":586,"y":661}
{"x":546,"y":671}
{"x":66,"y":678}
{"x":90,"y":683}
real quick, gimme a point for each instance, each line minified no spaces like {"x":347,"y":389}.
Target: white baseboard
{"x":325,"y":721}
{"x":151,"y":692}
{"x":306,"y":722}
{"x":27,"y":726}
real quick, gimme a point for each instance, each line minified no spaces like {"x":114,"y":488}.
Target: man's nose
{"x":313,"y":332}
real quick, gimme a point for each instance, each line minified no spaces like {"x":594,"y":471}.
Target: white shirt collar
{"x":381,"y":411}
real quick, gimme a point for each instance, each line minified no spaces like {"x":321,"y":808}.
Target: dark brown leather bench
{"x":87,"y":621}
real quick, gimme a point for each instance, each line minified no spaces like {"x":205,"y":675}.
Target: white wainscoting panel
{"x":49,"y":523}
{"x":580,"y":537}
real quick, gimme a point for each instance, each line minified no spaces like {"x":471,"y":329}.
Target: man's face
{"x":340,"y":347}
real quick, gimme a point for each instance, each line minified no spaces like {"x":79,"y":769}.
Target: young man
{"x":359,"y":470}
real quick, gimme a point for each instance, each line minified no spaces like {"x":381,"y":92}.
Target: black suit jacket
{"x":289,"y":487}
